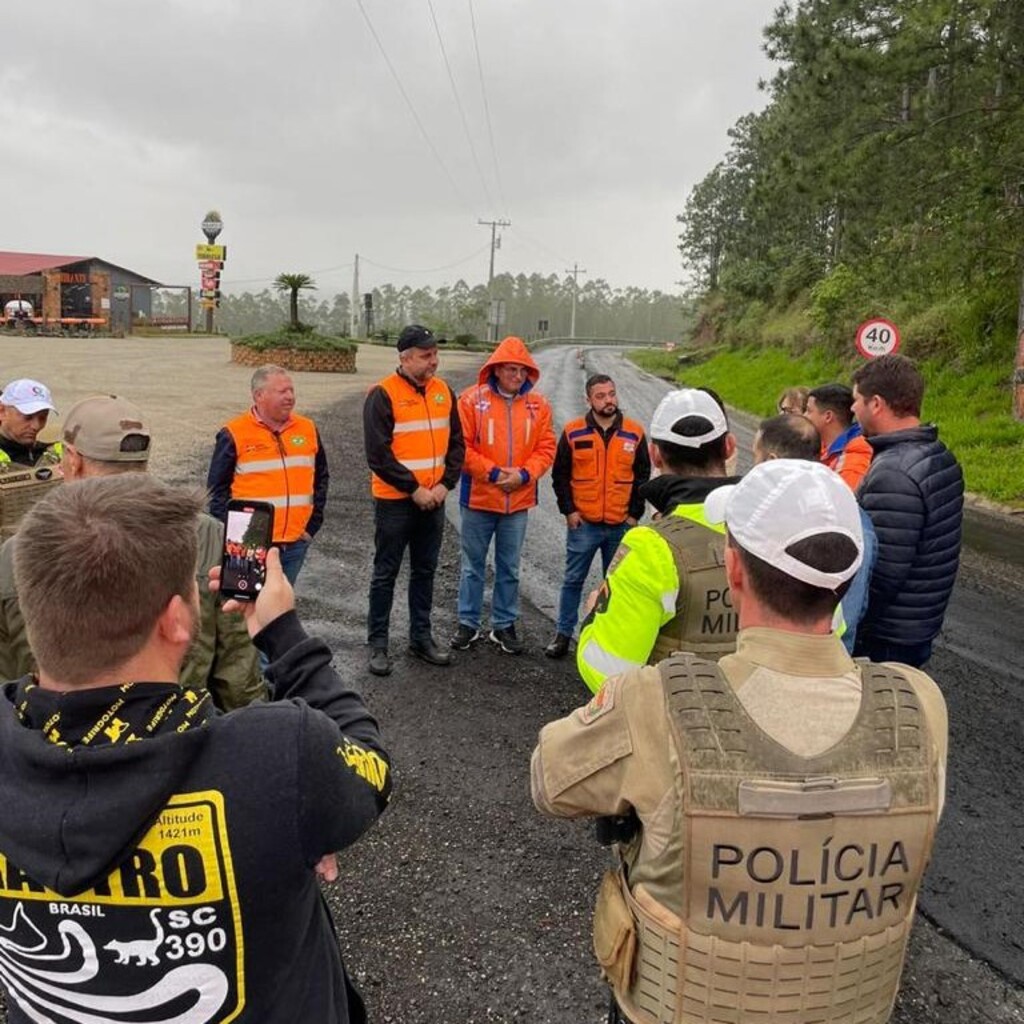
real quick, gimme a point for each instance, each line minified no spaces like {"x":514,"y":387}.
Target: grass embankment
{"x":972,"y":407}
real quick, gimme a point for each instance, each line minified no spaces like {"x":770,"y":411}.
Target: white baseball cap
{"x":27,"y":396}
{"x":677,"y":405}
{"x":783,"y":501}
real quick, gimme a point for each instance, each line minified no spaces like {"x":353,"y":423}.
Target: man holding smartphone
{"x":108,"y":435}
{"x":273,"y":454}
{"x":171,"y":851}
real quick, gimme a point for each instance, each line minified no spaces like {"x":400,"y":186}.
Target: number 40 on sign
{"x":877,"y":337}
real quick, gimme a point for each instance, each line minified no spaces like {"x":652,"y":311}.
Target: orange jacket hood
{"x":511,"y":350}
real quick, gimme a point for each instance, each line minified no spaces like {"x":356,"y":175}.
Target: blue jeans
{"x":581,"y":545}
{"x":855,"y":600}
{"x":399,"y":524}
{"x":292,"y":557}
{"x":508,"y":530}
{"x":293,"y":554}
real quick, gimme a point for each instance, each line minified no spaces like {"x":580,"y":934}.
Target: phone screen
{"x":247,"y":536}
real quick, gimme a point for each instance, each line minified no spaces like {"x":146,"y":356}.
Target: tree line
{"x":531,"y":301}
{"x":884,"y":176}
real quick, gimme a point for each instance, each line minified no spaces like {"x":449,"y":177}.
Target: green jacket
{"x":222,"y":658}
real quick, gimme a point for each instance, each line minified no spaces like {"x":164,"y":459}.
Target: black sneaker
{"x":380,"y":662}
{"x":559,"y":647}
{"x":507,"y":640}
{"x":465,"y":637}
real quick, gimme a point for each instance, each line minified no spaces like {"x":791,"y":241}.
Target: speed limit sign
{"x":878,"y":337}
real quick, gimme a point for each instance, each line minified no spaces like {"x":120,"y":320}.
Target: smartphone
{"x":248,"y":534}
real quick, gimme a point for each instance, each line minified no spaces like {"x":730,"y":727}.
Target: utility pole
{"x":492,"y":315}
{"x":576,"y":271}
{"x":353,"y":306}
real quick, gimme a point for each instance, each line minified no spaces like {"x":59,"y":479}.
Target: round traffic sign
{"x":877,"y":337}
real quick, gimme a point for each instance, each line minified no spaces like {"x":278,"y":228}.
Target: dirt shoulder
{"x":188,"y":387}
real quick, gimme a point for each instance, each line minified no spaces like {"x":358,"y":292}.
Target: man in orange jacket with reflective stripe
{"x":270,"y":453}
{"x":509,"y":446}
{"x":414,"y":449}
{"x":601,"y":464}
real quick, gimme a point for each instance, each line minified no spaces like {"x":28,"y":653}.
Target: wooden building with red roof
{"x":75,"y":291}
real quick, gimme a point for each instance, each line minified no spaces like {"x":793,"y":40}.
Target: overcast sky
{"x":124,"y":121}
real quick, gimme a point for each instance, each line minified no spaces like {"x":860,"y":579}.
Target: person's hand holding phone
{"x":274,"y":600}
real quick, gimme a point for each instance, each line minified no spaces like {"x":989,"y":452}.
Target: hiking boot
{"x":428,"y":651}
{"x":380,"y":661}
{"x":465,"y":637}
{"x":559,"y":647}
{"x":507,"y":640}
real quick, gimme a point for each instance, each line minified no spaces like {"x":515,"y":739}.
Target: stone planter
{"x":296,"y":359}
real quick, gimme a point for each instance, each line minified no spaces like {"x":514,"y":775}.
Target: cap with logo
{"x":417,"y":336}
{"x":681,"y":404}
{"x":27,"y":396}
{"x":107,"y":428}
{"x":783,"y":501}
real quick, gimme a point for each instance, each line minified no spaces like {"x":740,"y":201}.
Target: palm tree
{"x":293,"y":283}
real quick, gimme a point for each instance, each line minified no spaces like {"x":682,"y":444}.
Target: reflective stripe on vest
{"x":278,"y":467}
{"x":602,"y":474}
{"x":800,"y":873}
{"x":422,"y":428}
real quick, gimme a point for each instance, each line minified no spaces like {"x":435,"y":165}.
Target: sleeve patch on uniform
{"x":367,"y":764}
{"x":602,"y":702}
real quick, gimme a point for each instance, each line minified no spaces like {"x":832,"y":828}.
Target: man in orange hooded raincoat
{"x":510,"y":445}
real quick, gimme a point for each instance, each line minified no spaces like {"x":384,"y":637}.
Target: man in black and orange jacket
{"x":415,"y":450}
{"x":601,"y":463}
{"x":271,"y":453}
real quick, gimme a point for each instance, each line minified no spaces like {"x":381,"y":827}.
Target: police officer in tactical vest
{"x":665,"y":590}
{"x":787,"y":795}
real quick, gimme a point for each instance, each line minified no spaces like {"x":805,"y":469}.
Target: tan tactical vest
{"x":801,"y":874}
{"x":707,"y":622}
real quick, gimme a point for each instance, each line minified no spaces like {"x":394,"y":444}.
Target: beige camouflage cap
{"x":107,"y":428}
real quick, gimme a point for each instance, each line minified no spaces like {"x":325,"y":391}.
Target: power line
{"x":412,"y":109}
{"x":428,"y":270}
{"x":458,"y":103}
{"x":270,"y":280}
{"x":540,"y":245}
{"x":487,"y":109}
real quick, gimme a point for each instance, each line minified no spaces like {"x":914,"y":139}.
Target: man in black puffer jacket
{"x":914,"y":494}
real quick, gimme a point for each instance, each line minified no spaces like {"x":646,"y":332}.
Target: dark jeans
{"x":400,"y":524}
{"x":914,"y":655}
{"x":615,"y":1014}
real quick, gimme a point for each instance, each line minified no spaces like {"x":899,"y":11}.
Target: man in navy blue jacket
{"x":158,"y":857}
{"x":914,"y":494}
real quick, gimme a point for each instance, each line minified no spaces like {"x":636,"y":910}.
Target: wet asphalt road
{"x":974,"y":889}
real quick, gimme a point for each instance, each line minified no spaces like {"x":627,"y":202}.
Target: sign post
{"x":211,"y":259}
{"x":877,"y":337}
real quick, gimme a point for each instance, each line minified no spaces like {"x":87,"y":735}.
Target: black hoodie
{"x":667,"y":491}
{"x":156,"y":856}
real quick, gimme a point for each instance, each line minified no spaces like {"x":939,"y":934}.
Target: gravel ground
{"x":463,"y":905}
